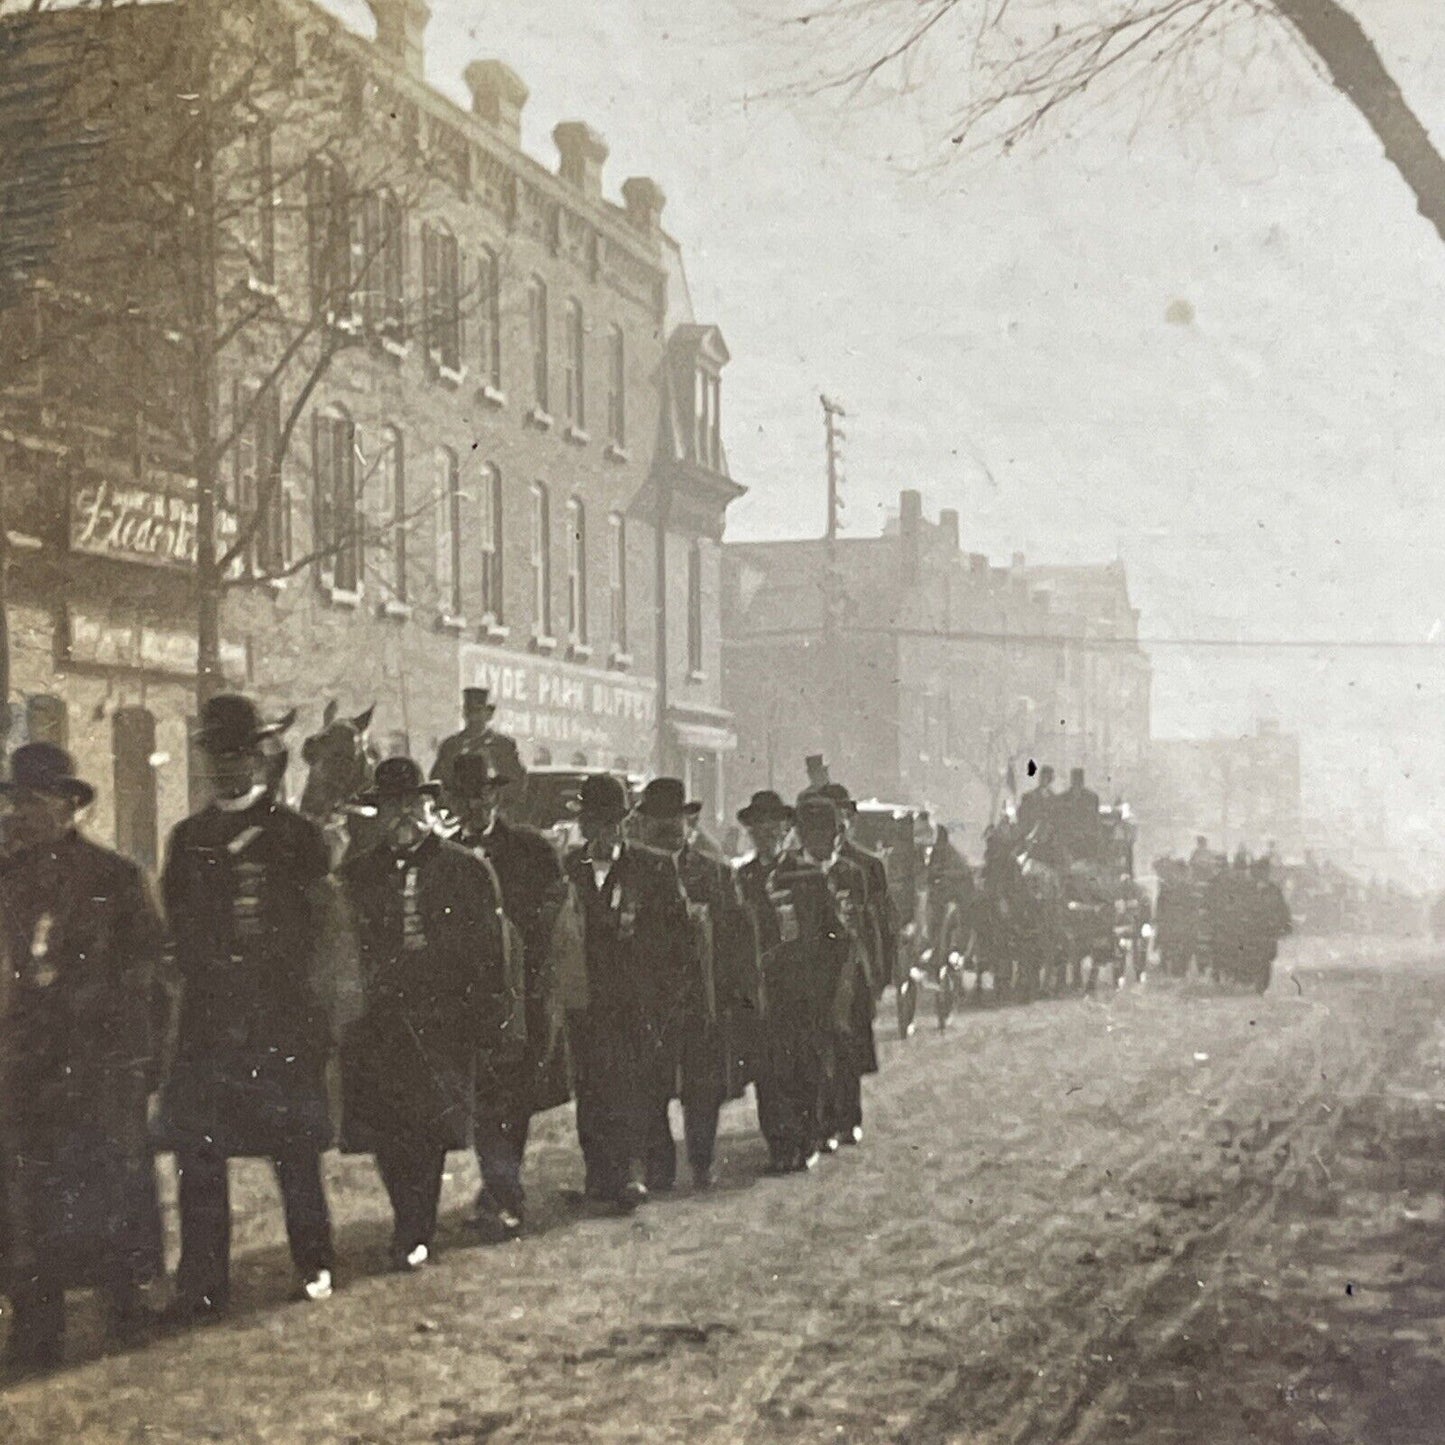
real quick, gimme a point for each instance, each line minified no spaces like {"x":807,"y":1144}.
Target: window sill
{"x":542,"y":643}
{"x":24,"y":542}
{"x":492,"y":395}
{"x":620,"y":662}
{"x":274,"y":585}
{"x":579,"y":651}
{"x":492,"y":631}
{"x":449,"y":622}
{"x":576,"y":435}
{"x":258,"y":287}
{"x":347,"y":325}
{"x":615,"y":453}
{"x":395,"y":609}
{"x":341,"y":596}
{"x":448,"y":377}
{"x":540,"y":419}
{"x":695,"y":675}
{"x":394,"y":348}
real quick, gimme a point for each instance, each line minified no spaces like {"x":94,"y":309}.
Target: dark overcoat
{"x":534,"y":891}
{"x":246,"y":899}
{"x":81,"y":1023}
{"x":860,"y":914}
{"x":639,"y":960}
{"x":724,"y":995}
{"x":434,"y":992}
{"x":499,"y":749}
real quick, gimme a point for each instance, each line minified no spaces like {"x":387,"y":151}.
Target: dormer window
{"x":707,"y":419}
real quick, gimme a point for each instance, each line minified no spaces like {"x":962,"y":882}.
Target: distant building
{"x":926,"y":675}
{"x":458,"y":399}
{"x":1235,"y":790}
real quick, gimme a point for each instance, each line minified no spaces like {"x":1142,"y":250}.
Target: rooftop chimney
{"x":910,"y":526}
{"x":1018,"y":560}
{"x":948,"y":525}
{"x":644,"y":200}
{"x":498,"y":96}
{"x":583,"y":152}
{"x":401,"y":31}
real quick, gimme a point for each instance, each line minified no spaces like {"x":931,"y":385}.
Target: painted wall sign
{"x":138,"y":524}
{"x":106,"y":642}
{"x":565,"y":708}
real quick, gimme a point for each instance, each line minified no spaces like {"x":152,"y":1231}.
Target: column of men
{"x":462,"y":975}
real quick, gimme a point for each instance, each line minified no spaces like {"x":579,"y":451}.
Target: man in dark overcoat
{"x":246,"y":896}
{"x":535,"y":1077}
{"x":638,"y":958}
{"x":429,"y":931}
{"x":722,"y":987}
{"x":477,"y":735}
{"x":803,"y":947}
{"x":81,"y":1023}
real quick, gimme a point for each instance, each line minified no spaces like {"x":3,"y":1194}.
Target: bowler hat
{"x":666,"y":798}
{"x":602,"y":798}
{"x":473,"y":774}
{"x":231,"y":723}
{"x":765,"y":807}
{"x":398,"y":778}
{"x":46,"y":768}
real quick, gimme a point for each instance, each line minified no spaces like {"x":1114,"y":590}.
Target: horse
{"x":341,"y":760}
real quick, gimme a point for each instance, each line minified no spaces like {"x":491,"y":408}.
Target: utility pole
{"x":829,"y":694}
{"x":831,"y":413}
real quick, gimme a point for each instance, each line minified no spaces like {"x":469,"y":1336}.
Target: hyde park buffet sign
{"x":566,"y":708}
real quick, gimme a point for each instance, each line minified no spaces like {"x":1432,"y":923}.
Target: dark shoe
{"x":189,"y":1309}
{"x":630,"y":1197}
{"x":781,"y":1164}
{"x":702,"y":1177}
{"x":830,"y":1144}
{"x":32,"y":1356}
{"x":497,"y":1222}
{"x":408,"y":1260}
{"x":809,"y":1161}
{"x":854,"y":1136}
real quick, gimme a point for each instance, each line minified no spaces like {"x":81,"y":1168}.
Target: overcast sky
{"x":1005,"y":335}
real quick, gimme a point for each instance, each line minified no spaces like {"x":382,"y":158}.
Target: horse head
{"x":341,"y":761}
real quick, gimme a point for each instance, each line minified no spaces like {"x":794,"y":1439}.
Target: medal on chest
{"x":43,"y":972}
{"x":785,"y":911}
{"x":248,"y":878}
{"x":413,"y":925}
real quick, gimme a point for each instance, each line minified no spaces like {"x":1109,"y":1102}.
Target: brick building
{"x":922,"y":672}
{"x":444,"y":409}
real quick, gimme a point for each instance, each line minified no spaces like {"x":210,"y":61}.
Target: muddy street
{"x":1159,"y":1215}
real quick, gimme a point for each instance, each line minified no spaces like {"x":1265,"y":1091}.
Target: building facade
{"x":923,"y":673}
{"x":443,"y":409}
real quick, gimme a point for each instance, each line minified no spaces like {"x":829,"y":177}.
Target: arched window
{"x":616,"y":388}
{"x":334,"y":235}
{"x":576,"y":366}
{"x":541,"y":561}
{"x":336,"y":530}
{"x":448,"y":532}
{"x":537,"y":329}
{"x":385,"y":265}
{"x":576,"y":572}
{"x":489,"y":495}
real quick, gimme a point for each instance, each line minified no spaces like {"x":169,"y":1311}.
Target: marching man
{"x":429,"y":931}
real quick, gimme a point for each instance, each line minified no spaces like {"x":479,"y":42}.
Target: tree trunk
{"x":1356,"y":70}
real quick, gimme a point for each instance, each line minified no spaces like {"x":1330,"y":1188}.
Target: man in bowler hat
{"x":539,"y":904}
{"x":429,"y":931}
{"x":722,"y":988}
{"x":246,"y":895}
{"x":476,"y":736}
{"x":638,"y":957}
{"x":81,"y":1019}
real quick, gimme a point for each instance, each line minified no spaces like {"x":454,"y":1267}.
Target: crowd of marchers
{"x":425,"y":975}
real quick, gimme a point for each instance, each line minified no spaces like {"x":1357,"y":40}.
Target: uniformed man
{"x":81,"y":1018}
{"x":246,"y":897}
{"x":638,"y":957}
{"x":477,"y":736}
{"x":429,"y":928}
{"x":1077,"y":812}
{"x":817,"y":771}
{"x":722,"y":987}
{"x":1037,"y":813}
{"x":850,"y":1050}
{"x":539,"y":904}
{"x":803,"y":947}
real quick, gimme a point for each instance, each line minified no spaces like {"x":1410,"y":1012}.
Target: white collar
{"x":244,"y":802}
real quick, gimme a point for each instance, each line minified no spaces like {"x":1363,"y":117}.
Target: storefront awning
{"x":693,"y":735}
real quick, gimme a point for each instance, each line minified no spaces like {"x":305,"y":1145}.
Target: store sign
{"x":137,"y":646}
{"x":139,"y":524}
{"x":565,"y":708}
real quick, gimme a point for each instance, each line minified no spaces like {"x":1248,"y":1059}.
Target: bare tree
{"x":1019,"y":64}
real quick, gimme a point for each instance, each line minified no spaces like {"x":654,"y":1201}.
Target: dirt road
{"x":1157,"y":1216}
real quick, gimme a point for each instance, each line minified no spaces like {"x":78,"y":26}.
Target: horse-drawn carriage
{"x":1107,"y":918}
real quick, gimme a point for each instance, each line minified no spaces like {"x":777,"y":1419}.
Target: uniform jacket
{"x":81,"y":1024}
{"x":882,"y":916}
{"x":855,"y":906}
{"x":429,"y":939}
{"x":534,"y":892}
{"x":636,"y":939}
{"x":246,"y":900}
{"x":499,"y":749}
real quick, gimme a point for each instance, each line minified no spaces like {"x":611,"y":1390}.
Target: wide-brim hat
{"x":398,"y":778}
{"x":474,"y":773}
{"x":601,"y":798}
{"x":231,"y":723}
{"x":46,"y":768}
{"x":765,"y":807}
{"x":666,"y":798}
